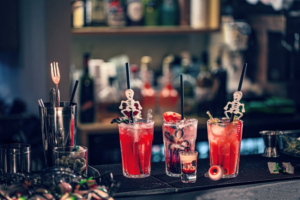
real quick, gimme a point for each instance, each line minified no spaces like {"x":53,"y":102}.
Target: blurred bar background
{"x":206,"y":40}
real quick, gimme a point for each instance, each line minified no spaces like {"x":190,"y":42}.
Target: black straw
{"x":73,"y":92}
{"x":128,"y":76}
{"x":128,"y":87}
{"x":240,"y":85}
{"x":182,"y":96}
{"x":242,"y":77}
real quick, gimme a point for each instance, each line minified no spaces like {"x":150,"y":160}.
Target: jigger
{"x":271,"y":140}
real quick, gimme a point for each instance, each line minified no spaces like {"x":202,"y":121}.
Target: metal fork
{"x":55,"y":74}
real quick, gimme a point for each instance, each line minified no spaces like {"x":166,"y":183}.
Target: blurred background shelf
{"x":140,"y":30}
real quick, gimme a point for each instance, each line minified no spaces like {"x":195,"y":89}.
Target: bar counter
{"x":253,"y":182}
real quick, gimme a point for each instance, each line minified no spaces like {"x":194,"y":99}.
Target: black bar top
{"x":253,"y":169}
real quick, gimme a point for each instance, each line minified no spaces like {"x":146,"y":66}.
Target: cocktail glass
{"x":224,"y":145}
{"x":178,"y":136}
{"x":188,"y":163}
{"x":136,"y":145}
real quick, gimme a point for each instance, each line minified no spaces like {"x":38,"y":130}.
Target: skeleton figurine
{"x":130,"y":105}
{"x":235,"y":105}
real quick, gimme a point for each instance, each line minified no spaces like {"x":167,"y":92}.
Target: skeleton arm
{"x":139,"y":105}
{"x":226,"y":107}
{"x":121,"y":105}
{"x":243,"y":107}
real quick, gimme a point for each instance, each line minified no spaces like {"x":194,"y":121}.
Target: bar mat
{"x":133,"y":187}
{"x":253,"y":169}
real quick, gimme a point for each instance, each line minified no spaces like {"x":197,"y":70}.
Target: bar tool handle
{"x":53,"y":97}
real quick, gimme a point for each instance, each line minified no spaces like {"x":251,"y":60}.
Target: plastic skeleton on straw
{"x":130,"y":105}
{"x":235,"y":105}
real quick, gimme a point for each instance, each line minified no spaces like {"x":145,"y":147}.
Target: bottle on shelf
{"x":109,"y":101}
{"x":204,"y":90}
{"x":214,"y":14}
{"x":136,"y":82}
{"x":148,"y":92}
{"x":134,"y":12}
{"x":116,"y":14}
{"x":96,"y":12}
{"x":168,"y":96}
{"x":77,"y":13}
{"x":190,"y":84}
{"x":220,"y":86}
{"x":86,"y":99}
{"x":151,"y":12}
{"x":199,"y":13}
{"x":170,"y":13}
{"x":184,"y":12}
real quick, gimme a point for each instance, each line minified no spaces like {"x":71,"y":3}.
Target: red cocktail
{"x":136,"y":145}
{"x":224,"y":145}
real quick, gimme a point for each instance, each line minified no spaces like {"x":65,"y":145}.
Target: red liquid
{"x":189,"y":171}
{"x":224,"y":147}
{"x":136,"y":146}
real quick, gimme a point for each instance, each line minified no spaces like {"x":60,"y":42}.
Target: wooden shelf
{"x":142,"y":30}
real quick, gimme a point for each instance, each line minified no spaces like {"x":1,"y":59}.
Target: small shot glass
{"x":74,"y":157}
{"x":188,"y":165}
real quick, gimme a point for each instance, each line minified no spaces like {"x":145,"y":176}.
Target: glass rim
{"x":178,"y":121}
{"x":65,"y":149}
{"x":143,"y":121}
{"x":222,"y":122}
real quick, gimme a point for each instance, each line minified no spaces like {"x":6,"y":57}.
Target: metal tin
{"x":59,"y":128}
{"x":271,"y":140}
{"x":15,"y":157}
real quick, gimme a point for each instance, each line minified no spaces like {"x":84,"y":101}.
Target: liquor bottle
{"x":134,"y":12}
{"x":214,"y":14}
{"x":168,"y":96}
{"x":151,"y":12}
{"x":148,"y":93}
{"x":109,"y":100}
{"x":170,"y":13}
{"x":96,"y":12}
{"x":204,"y":90}
{"x":184,"y":12}
{"x":116,"y":14}
{"x":136,"y":82}
{"x":190,"y":84}
{"x":87,"y":103}
{"x":198,"y":14}
{"x":205,"y":78}
{"x":78,"y":13}
{"x":220,"y":85}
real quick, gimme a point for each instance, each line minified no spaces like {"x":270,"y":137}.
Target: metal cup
{"x":15,"y":158}
{"x":59,"y":128}
{"x":271,"y":140}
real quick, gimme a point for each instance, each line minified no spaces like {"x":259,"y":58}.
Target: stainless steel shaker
{"x":15,"y":158}
{"x":59,"y":127}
